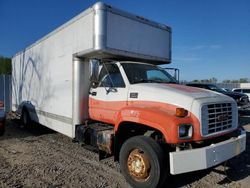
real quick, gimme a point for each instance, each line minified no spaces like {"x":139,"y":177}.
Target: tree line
{"x":241,"y":80}
{"x":214,"y":80}
{"x":5,"y":65}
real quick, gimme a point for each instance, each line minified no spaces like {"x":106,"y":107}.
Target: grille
{"x":216,"y":118}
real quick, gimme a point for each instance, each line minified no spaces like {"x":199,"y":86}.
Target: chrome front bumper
{"x":206,"y":157}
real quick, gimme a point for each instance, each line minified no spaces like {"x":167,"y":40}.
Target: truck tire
{"x":142,"y":162}
{"x":25,"y":118}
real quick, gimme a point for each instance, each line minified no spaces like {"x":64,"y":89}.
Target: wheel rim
{"x":138,"y":165}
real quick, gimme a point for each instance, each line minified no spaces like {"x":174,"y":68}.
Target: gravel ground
{"x":39,"y":157}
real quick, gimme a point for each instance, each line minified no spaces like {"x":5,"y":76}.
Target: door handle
{"x":93,"y":93}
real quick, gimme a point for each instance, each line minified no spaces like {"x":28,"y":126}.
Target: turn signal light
{"x":181,"y":112}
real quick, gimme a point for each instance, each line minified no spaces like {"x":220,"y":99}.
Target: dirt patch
{"x":39,"y":157}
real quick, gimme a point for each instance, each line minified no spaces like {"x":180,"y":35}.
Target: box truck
{"x":97,"y":80}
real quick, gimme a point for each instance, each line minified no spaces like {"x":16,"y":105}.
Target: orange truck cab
{"x":193,"y":128}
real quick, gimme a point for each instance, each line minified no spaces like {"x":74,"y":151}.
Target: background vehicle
{"x":241,"y":99}
{"x":242,"y":90}
{"x":96,"y":79}
{"x":5,"y":97}
{"x":5,"y":91}
{"x":2,"y":118}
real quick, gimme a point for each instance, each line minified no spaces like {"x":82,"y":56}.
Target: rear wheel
{"x":25,"y":118}
{"x":142,"y":162}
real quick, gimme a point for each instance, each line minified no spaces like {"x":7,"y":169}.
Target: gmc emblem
{"x":222,"y":117}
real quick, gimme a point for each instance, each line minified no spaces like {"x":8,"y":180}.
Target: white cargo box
{"x":103,"y":31}
{"x":44,"y":73}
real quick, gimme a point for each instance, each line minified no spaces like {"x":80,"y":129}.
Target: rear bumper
{"x":206,"y":157}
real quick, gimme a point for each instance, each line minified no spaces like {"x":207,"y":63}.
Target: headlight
{"x":185,"y":131}
{"x":238,"y":100}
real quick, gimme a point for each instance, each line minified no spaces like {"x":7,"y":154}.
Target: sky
{"x":210,"y":38}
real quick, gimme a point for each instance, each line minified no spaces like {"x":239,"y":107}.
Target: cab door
{"x":106,"y":100}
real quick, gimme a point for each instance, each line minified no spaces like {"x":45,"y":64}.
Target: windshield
{"x":144,"y":73}
{"x":216,"y":88}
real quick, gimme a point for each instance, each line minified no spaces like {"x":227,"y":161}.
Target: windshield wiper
{"x":145,"y":81}
{"x":171,"y":82}
{"x":151,"y":81}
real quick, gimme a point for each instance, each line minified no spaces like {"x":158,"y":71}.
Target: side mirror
{"x":174,"y":72}
{"x":94,"y":71}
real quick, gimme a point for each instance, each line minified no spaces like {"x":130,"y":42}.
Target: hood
{"x":179,"y":95}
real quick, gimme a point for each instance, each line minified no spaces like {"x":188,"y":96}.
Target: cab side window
{"x":110,"y":76}
{"x":237,"y":90}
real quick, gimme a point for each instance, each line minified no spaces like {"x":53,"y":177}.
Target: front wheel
{"x":142,"y":162}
